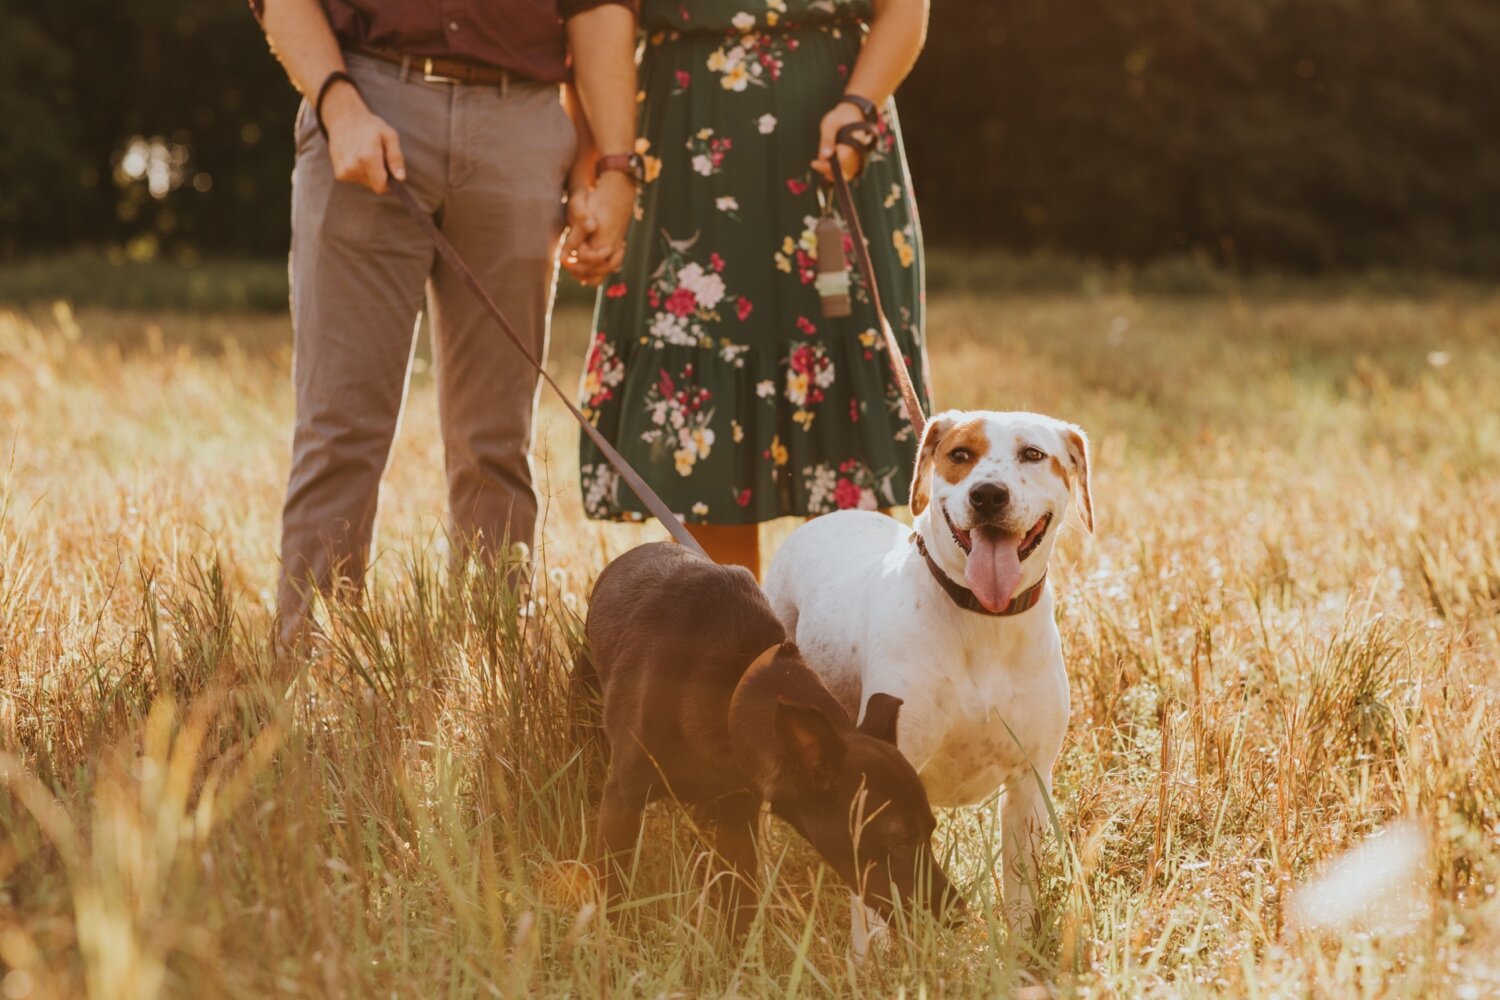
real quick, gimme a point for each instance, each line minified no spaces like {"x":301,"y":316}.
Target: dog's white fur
{"x":984,"y":699}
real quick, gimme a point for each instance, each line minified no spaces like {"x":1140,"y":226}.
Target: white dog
{"x":954,"y":618}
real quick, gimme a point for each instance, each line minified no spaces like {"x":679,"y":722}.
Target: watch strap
{"x":626,"y":163}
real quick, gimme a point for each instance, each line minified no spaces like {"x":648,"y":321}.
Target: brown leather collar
{"x":964,"y":597}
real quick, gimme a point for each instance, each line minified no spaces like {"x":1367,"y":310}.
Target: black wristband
{"x":865,"y":105}
{"x":336,"y":76}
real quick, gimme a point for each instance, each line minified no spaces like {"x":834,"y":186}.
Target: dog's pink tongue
{"x":994,"y":568}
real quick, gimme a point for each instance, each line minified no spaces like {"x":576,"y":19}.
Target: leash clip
{"x":833,"y":279}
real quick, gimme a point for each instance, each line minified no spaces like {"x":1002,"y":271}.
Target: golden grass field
{"x":1284,"y":638}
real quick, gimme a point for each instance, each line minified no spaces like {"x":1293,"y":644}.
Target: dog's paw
{"x":567,"y":885}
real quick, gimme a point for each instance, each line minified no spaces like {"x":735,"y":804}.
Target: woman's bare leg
{"x":730,"y":544}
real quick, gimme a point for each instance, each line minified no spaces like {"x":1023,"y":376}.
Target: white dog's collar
{"x":964,"y":597}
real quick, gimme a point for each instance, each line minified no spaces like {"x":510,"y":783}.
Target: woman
{"x":712,"y":368}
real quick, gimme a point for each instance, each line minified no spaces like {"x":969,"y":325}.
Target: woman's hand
{"x":598,"y":218}
{"x":850,"y":158}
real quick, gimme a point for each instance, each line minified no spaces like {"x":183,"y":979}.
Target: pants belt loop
{"x":405,"y":68}
{"x":504,"y":85}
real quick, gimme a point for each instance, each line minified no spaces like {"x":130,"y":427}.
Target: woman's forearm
{"x":896,"y":34}
{"x":602,"y":40}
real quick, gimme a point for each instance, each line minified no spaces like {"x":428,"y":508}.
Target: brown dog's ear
{"x":809,"y":747}
{"x":881,"y":712}
{"x":1078,"y":451}
{"x":921,"y":481}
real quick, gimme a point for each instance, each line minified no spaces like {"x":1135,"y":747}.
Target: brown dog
{"x":705,"y":700}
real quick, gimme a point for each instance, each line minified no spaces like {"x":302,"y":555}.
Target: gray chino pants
{"x":490,"y":165}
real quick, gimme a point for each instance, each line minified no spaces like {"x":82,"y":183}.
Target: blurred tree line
{"x":1300,"y":134}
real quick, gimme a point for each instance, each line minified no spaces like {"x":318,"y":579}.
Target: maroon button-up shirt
{"x":523,"y":36}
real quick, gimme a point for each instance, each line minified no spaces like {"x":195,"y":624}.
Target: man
{"x":461,"y":101}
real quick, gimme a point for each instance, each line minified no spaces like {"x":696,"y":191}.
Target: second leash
{"x":638,"y":485}
{"x":853,"y":136}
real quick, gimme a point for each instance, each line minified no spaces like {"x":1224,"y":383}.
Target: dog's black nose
{"x":988,"y":498}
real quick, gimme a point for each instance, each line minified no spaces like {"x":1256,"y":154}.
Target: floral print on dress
{"x":809,"y":372}
{"x":752,"y":57}
{"x":680,"y":418}
{"x":714,"y":370}
{"x":849,"y":486}
{"x":601,"y":489}
{"x":708,"y":151}
{"x":603,"y":372}
{"x":686,"y":297}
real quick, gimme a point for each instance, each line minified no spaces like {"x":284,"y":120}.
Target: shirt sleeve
{"x":569,"y":8}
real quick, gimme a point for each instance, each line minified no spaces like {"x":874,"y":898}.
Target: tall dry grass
{"x":1283,"y":639}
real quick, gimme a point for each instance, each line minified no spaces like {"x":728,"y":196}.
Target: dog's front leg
{"x":1024,"y":823}
{"x":866,"y":928}
{"x":734,"y":839}
{"x":619,"y":829}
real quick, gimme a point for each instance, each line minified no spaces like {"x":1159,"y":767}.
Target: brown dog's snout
{"x":943,"y":900}
{"x":949,"y":906}
{"x":988,"y":499}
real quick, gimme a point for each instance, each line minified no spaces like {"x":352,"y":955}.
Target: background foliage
{"x":1310,"y":135}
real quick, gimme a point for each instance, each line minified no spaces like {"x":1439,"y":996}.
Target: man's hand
{"x":598,"y":219}
{"x":581,"y":225}
{"x":361,"y":145}
{"x":841,"y":115}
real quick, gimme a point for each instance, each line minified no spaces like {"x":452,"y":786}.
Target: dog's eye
{"x":959,"y":456}
{"x":1029,"y":454}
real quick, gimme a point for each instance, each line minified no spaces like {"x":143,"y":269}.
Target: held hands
{"x":850,"y":159}
{"x":361,"y":145}
{"x":598,"y":217}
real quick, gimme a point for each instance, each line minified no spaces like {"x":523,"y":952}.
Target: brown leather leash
{"x":452,"y":258}
{"x":862,"y":137}
{"x":859,"y":136}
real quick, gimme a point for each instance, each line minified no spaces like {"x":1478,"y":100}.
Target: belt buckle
{"x":428,"y":76}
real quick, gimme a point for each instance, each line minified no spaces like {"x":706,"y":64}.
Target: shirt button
{"x":452,"y":25}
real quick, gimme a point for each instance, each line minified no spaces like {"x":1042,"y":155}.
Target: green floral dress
{"x":712,"y":368}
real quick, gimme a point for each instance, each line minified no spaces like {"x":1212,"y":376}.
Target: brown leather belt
{"x":440,"y":69}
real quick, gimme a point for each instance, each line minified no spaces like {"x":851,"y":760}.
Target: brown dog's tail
{"x":586,"y":720}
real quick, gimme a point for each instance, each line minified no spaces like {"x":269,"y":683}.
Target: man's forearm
{"x":361,"y":147}
{"x":602,"y":40}
{"x":302,"y":39}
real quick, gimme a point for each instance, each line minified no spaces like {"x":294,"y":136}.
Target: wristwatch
{"x":625,"y":163}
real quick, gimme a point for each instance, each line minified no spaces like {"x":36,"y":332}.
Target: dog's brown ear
{"x":810,"y":749}
{"x":881,"y":712}
{"x":1078,"y":451}
{"x":921,"y":481}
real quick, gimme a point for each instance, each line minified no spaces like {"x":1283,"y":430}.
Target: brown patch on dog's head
{"x":1078,"y":451}
{"x":921,"y":486}
{"x":1061,"y":471}
{"x":968,"y":440}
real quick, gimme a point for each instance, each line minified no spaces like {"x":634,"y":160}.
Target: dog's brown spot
{"x":969,"y":436}
{"x":1061,"y":472}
